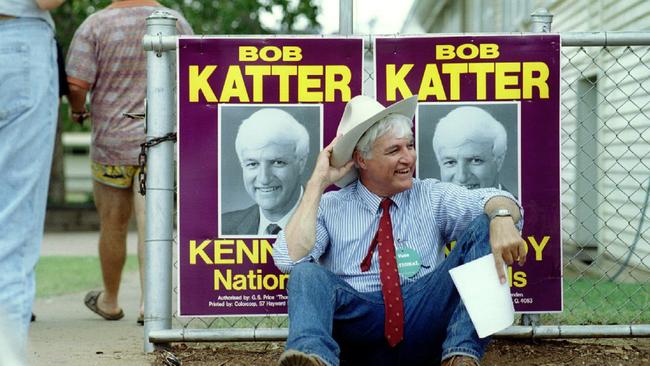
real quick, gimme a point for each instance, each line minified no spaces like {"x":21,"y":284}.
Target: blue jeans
{"x":28,"y":114}
{"x":329,"y":318}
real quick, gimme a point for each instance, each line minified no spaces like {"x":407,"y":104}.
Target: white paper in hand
{"x":487,"y":301}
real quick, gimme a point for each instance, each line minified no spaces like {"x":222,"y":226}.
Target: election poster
{"x":489,"y":116}
{"x":253,"y":114}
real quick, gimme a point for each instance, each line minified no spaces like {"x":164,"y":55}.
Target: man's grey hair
{"x":397,"y":124}
{"x":474,"y":124}
{"x":272,"y":125}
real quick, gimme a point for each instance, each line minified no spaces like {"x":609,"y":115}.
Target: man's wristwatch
{"x":500,"y":212}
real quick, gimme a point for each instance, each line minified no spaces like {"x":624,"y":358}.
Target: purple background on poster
{"x":197,"y":149}
{"x":540,"y":140}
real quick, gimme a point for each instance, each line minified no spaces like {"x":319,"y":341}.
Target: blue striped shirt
{"x":424,"y":218}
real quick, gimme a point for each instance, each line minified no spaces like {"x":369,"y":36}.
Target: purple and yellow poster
{"x":489,"y":116}
{"x":253,"y":114}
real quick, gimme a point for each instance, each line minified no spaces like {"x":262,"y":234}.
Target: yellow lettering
{"x":538,"y":247}
{"x":467,"y":51}
{"x":445,"y":52}
{"x":253,"y":280}
{"x":306,"y":82}
{"x":454,"y":71}
{"x":431,"y":85}
{"x":530,"y":80}
{"x":199,"y":83}
{"x":238,"y":281}
{"x":520,"y":279}
{"x":462,"y":51}
{"x":267,"y":249}
{"x":275,"y":53}
{"x":502,"y":80}
{"x":258,"y":72}
{"x":292,"y":53}
{"x":223,"y":247}
{"x":219,"y":279}
{"x":517,"y":279}
{"x":234,"y":86}
{"x":283,"y":72}
{"x":200,"y":251}
{"x":395,"y":81}
{"x":252,"y":254}
{"x":332,"y":84}
{"x":247,"y":53}
{"x":489,"y":50}
{"x":481,"y":70}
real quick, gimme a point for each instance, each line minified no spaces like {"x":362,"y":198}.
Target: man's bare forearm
{"x":77,"y":98}
{"x":49,"y":4}
{"x":300,"y":232}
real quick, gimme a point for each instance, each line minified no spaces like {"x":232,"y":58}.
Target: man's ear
{"x":359,"y":161}
{"x":499,"y":161}
{"x":301,"y":164}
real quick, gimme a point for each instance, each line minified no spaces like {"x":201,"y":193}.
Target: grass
{"x":58,"y":275}
{"x":586,"y":301}
{"x":592,"y":301}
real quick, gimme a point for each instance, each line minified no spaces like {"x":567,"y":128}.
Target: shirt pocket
{"x":15,"y":83}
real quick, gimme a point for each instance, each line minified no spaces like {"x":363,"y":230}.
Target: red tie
{"x":390,"y":287}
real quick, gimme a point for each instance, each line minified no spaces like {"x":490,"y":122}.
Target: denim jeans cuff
{"x":461,"y":351}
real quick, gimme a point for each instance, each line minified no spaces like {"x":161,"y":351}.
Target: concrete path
{"x":67,"y":333}
{"x":79,"y":243}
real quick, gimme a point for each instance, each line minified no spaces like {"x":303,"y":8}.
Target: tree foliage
{"x":216,"y":17}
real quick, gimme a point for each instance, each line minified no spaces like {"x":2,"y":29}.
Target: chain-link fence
{"x":605,"y":106}
{"x":605,"y":101}
{"x":605,"y":162}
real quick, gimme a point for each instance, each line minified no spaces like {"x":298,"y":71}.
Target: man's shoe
{"x":297,"y":358}
{"x":460,"y":361}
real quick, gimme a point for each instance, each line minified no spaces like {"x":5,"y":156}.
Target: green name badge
{"x":408,"y":262}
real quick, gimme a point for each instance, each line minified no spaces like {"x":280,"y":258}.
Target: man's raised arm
{"x":300,"y":232}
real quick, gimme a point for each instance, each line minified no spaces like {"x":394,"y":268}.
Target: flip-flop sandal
{"x":140,"y":320}
{"x":91,"y":303}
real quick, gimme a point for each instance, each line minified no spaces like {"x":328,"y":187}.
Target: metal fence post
{"x":346,"y":17}
{"x":541,"y":21}
{"x":161,"y":88}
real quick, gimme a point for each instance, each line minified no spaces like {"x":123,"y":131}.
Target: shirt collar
{"x":264,"y":222}
{"x":372,"y":201}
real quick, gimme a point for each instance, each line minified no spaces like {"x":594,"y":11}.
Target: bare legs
{"x":115,"y":206}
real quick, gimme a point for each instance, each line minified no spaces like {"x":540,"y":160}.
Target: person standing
{"x":29,"y":91}
{"x":107,"y":60}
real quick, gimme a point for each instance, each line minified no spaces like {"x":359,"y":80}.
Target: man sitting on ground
{"x":350,"y":301}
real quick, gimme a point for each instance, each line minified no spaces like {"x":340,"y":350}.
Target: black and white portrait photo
{"x":474,"y":145}
{"x":266,"y":153}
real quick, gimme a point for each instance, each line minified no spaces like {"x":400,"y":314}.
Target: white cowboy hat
{"x":360,"y":114}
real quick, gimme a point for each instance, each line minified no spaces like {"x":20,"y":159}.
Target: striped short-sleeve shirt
{"x":106,"y":57}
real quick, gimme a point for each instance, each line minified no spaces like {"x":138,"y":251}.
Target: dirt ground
{"x":600,"y":352}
